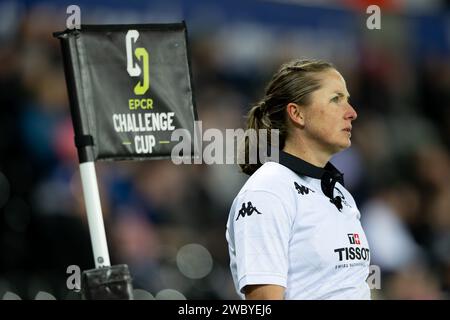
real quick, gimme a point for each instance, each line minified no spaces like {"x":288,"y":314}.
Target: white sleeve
{"x":262,"y":228}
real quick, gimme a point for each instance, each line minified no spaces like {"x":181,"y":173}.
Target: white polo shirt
{"x":284,"y":229}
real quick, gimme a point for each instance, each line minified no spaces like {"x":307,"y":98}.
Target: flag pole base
{"x":107,"y":283}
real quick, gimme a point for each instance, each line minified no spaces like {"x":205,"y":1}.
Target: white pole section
{"x":94,"y":214}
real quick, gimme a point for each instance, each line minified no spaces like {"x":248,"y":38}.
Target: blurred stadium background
{"x":167,"y":222}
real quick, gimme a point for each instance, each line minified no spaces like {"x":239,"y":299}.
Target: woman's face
{"x":328,"y":118}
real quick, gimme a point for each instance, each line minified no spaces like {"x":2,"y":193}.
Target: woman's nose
{"x":351,"y":113}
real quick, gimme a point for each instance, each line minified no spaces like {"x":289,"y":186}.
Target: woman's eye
{"x":335,"y":99}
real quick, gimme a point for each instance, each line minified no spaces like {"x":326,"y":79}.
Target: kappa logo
{"x":301,"y":189}
{"x":133,"y":69}
{"x":247,"y":210}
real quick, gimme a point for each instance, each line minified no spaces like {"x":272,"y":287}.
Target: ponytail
{"x":257,"y":120}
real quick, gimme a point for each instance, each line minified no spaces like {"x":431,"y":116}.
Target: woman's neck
{"x":307,"y":153}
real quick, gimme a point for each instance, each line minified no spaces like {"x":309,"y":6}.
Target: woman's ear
{"x":296,"y":114}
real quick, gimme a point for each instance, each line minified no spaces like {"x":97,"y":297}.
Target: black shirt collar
{"x":328,"y":175}
{"x":303,"y":168}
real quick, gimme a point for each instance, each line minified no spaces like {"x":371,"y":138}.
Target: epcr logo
{"x":134,"y":70}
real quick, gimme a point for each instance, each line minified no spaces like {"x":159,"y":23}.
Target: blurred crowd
{"x":167,"y":222}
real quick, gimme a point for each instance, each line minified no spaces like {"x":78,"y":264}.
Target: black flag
{"x":129,"y":88}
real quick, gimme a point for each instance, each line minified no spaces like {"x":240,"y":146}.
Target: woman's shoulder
{"x":271,"y":177}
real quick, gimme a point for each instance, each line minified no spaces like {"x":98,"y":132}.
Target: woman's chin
{"x":344,"y":145}
{"x":349,"y":143}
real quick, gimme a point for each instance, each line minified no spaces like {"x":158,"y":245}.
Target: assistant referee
{"x":293,"y":230}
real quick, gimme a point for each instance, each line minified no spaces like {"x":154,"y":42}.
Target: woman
{"x":294,"y":230}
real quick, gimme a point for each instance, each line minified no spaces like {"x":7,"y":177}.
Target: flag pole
{"x":94,"y":214}
{"x":105,"y":281}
